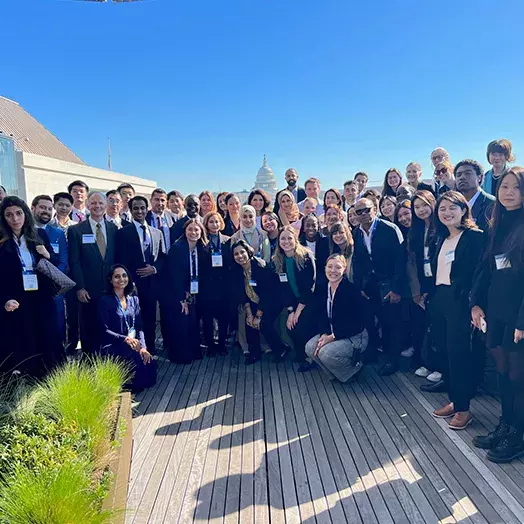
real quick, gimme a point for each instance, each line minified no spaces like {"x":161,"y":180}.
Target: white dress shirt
{"x":93,"y":225}
{"x":75,"y":214}
{"x":474,"y":199}
{"x":25,"y":254}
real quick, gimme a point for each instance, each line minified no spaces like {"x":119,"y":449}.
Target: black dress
{"x":31,"y":338}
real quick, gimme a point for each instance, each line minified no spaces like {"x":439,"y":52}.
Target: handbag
{"x":61,"y":282}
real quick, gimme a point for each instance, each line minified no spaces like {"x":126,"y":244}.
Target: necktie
{"x":147,"y":247}
{"x":159,"y":221}
{"x":100,"y":240}
{"x":80,"y":216}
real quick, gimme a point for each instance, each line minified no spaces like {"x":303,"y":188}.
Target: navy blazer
{"x":113,"y":327}
{"x":482,"y":209}
{"x":88,"y":269}
{"x":58,"y":242}
{"x":387,"y":262}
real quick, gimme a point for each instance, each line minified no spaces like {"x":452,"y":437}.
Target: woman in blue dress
{"x":122,"y":329}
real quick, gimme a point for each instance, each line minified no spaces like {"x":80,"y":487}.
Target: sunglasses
{"x":441,"y":171}
{"x":362,"y":211}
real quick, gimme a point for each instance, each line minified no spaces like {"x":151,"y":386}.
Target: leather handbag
{"x":61,"y":282}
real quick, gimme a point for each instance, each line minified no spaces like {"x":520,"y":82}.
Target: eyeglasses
{"x":362,"y":211}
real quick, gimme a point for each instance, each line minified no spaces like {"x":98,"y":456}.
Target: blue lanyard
{"x":217,"y":248}
{"x":124,"y":316}
{"x":24,"y":266}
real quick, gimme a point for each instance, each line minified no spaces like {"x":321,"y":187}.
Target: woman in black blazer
{"x":188,"y":266}
{"x":295,"y":274}
{"x":458,"y":251}
{"x":215,"y":297}
{"x":498,"y":307}
{"x":28,"y":317}
{"x":311,"y":238}
{"x":341,"y":337}
{"x":252,"y":288}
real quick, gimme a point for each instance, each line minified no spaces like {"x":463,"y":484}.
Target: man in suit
{"x":379,"y":267}
{"x":127,"y":192}
{"x":114,"y":208}
{"x":140,"y":248}
{"x":468,"y":179}
{"x":299,"y":193}
{"x":158,"y":217}
{"x":91,"y":255}
{"x":78,"y":190}
{"x":312,"y":188}
{"x":42,"y":209}
{"x":192,"y":207}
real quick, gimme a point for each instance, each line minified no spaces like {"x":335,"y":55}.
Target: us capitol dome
{"x":266,"y":179}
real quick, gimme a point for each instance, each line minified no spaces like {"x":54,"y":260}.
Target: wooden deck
{"x":220,"y":442}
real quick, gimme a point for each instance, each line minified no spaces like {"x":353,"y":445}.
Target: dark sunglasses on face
{"x":441,"y":171}
{"x":362,"y":211}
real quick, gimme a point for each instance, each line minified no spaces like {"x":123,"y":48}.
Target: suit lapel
{"x":87,"y":229}
{"x":110,"y":233}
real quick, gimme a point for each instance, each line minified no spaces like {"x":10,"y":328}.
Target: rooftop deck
{"x":217,"y":442}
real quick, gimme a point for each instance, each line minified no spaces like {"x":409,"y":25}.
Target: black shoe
{"x":509,"y":448}
{"x":250,"y":359}
{"x":388,"y":369}
{"x":306,"y":366}
{"x":279,"y":357}
{"x":492,"y":439}
{"x":434,"y":387}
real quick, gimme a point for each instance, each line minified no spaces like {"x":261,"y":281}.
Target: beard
{"x":292,"y":183}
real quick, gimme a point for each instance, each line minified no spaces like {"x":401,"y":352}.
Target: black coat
{"x":301,"y":194}
{"x":216,"y":288}
{"x":467,"y":254}
{"x":416,"y":239}
{"x":347,"y":313}
{"x":264,"y":278}
{"x":387,"y":262}
{"x":482,"y":209}
{"x":321,"y":251}
{"x":305,"y":277}
{"x":88,"y":269}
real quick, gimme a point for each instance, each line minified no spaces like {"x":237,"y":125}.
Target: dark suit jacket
{"x":58,"y":242}
{"x":467,"y":254}
{"x":387,"y":262}
{"x":167,"y":215}
{"x":347,"y":313}
{"x":301,"y":194}
{"x":482,"y":209}
{"x":88,"y":269}
{"x":129,"y":253}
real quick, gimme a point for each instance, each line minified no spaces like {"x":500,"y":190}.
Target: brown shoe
{"x":460,"y":420}
{"x":445,"y":412}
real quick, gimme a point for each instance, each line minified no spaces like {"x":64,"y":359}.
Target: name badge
{"x":132,"y":333}
{"x":283,"y":277}
{"x":502,"y":262}
{"x":30,"y":281}
{"x":253,"y":283}
{"x":450,"y":257}
{"x":88,"y":239}
{"x":56,"y":248}
{"x":193,"y":287}
{"x":216,"y":260}
{"x":427,"y":270}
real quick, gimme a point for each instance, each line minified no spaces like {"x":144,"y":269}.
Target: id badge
{"x":56,"y":248}
{"x":193,"y":288}
{"x":88,"y":239}
{"x":283,"y":277}
{"x":132,"y":333}
{"x":450,"y":257}
{"x":427,"y":270}
{"x":253,"y":283}
{"x":502,"y":262}
{"x":216,"y":260}
{"x":30,"y":281}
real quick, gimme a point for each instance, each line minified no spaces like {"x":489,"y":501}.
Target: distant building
{"x":266,"y":179}
{"x":34,"y":161}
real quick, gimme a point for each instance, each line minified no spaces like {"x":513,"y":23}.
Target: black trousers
{"x":219,"y":310}
{"x":148,"y":302}
{"x":184,"y":333}
{"x":253,"y":335}
{"x":72,"y":312}
{"x":450,"y":319}
{"x":90,"y":326}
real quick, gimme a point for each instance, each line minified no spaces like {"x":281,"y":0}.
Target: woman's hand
{"x":185,"y":307}
{"x":289,"y":324}
{"x":41,"y":250}
{"x":133,"y":343}
{"x":11,"y":305}
{"x":256,"y":322}
{"x":476,"y":315}
{"x":322,"y":341}
{"x":146,"y":356}
{"x":519,"y":335}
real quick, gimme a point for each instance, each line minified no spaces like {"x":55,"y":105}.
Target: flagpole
{"x":109,"y":153}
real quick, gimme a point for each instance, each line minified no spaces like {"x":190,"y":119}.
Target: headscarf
{"x":252,"y":229}
{"x":284,"y":217}
{"x":252,"y":235}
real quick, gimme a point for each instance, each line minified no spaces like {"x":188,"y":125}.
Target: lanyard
{"x":193,"y":264}
{"x":124,"y":315}
{"x":216,"y":248}
{"x":331,"y":297}
{"x":24,"y":265}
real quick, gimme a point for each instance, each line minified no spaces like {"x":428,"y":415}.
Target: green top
{"x":291,"y":278}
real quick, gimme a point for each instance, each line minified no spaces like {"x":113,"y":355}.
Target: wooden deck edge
{"x":120,"y":465}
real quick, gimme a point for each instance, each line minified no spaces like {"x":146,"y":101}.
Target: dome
{"x":265,"y":178}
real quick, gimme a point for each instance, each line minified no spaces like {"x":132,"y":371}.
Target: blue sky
{"x":193,"y":93}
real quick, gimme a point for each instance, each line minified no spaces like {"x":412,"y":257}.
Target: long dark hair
{"x":265,"y":198}
{"x":337,"y":194}
{"x":514,"y":242}
{"x":128,"y":290}
{"x":386,"y":188}
{"x":418,"y":226}
{"x":28,"y":229}
{"x":405,"y":204}
{"x":459,"y":200}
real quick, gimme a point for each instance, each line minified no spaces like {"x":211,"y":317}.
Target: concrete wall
{"x":42,"y":175}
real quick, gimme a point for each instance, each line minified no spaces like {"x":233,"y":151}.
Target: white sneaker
{"x":422,"y":372}
{"x":407,"y":353}
{"x":435,"y":376}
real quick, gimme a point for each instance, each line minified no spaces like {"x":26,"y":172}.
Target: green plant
{"x":56,"y":496}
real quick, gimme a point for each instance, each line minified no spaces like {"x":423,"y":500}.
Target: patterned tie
{"x":80,"y":216}
{"x":147,"y":247}
{"x":100,"y":240}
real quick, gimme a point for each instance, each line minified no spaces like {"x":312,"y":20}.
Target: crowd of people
{"x":431,"y":272}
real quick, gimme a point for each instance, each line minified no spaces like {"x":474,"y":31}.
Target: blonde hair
{"x":300,"y":255}
{"x":208,"y":216}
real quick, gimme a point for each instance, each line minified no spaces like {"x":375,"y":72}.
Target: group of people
{"x":426,"y":271}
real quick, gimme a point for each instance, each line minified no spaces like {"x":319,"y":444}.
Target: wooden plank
{"x":499,"y":498}
{"x":204,"y":495}
{"x":431,"y":465}
{"x":218,"y":497}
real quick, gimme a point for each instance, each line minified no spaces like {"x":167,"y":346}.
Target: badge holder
{"x":30,"y":281}
{"x":216,"y":260}
{"x":283,"y":277}
{"x":193,"y":287}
